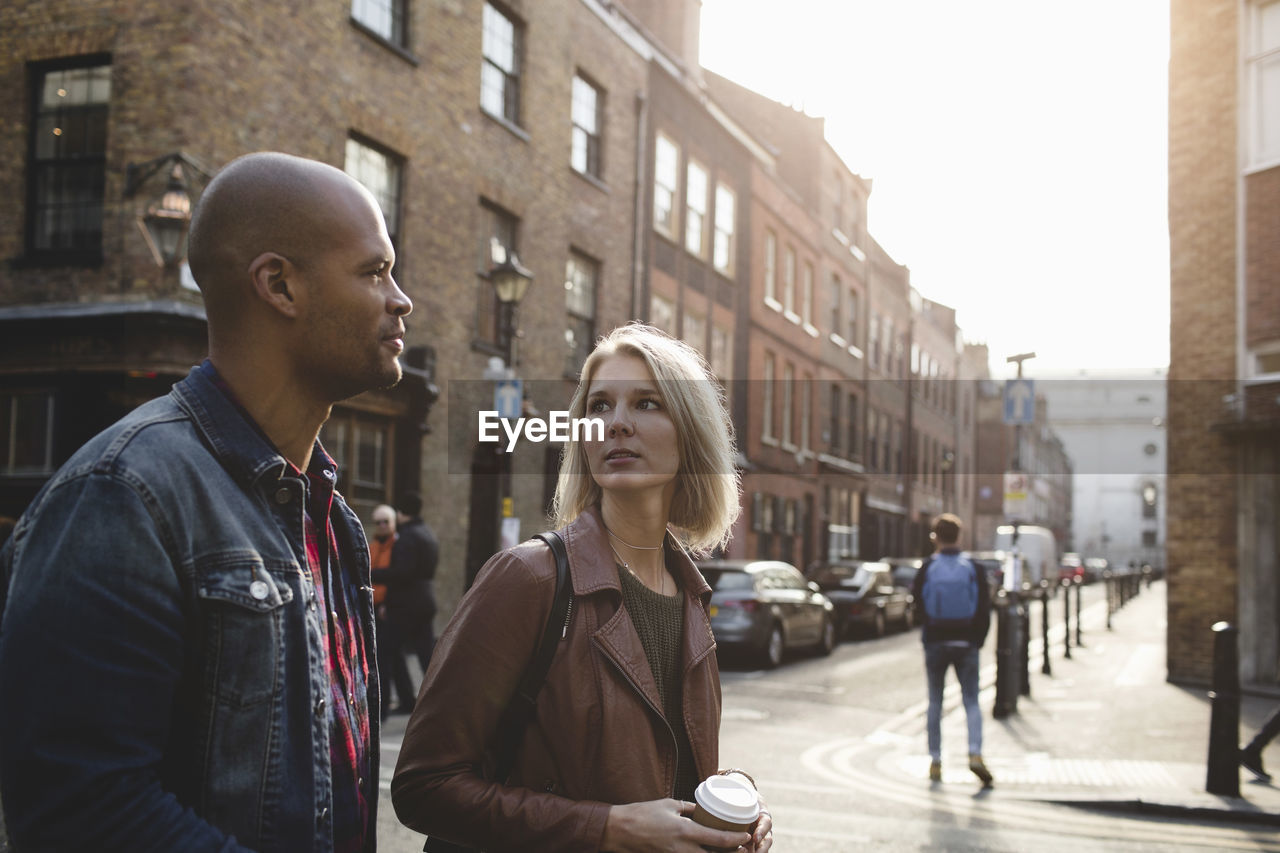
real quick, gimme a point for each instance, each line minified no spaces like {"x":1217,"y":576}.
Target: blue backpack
{"x":950,"y":590}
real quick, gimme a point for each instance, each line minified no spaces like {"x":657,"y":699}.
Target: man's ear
{"x":275,"y":282}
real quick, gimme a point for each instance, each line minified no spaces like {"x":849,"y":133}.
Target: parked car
{"x":766,"y":608}
{"x":903,"y":569}
{"x":998,"y":566}
{"x":1095,"y":568}
{"x":865,"y":597}
{"x":1071,"y":567}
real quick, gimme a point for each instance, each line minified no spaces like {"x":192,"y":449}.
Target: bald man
{"x":187,"y":646}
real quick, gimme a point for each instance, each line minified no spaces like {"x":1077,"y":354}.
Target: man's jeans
{"x":937,"y":657}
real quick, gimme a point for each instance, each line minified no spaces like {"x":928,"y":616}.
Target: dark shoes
{"x":935,"y":771}
{"x":979,"y":768}
{"x":1251,"y":760}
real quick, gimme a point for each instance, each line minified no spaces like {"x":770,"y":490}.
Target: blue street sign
{"x":1019,"y":401}
{"x":508,"y":398}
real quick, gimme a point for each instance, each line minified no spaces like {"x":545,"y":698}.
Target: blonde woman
{"x":628,"y":719}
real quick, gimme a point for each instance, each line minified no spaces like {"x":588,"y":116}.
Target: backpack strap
{"x":520,"y":711}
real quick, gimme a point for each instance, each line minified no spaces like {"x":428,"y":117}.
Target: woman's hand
{"x":664,"y":825}
{"x":762,"y":832}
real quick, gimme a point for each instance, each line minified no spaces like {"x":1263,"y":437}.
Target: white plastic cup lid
{"x":728,"y":798}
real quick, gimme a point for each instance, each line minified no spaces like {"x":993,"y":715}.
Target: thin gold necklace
{"x":662,"y":579}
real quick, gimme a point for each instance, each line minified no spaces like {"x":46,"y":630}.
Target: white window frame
{"x":585,"y":137}
{"x":666,"y":185}
{"x":806,"y":403}
{"x":384,"y":18}
{"x":766,"y":400}
{"x":771,"y":270}
{"x":788,"y":405}
{"x":1261,"y":57}
{"x":789,"y":284}
{"x":806,"y":294}
{"x":659,"y":305}
{"x":696,"y":207}
{"x":500,"y":64}
{"x":723,"y":244}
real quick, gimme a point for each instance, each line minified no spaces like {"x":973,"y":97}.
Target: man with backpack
{"x":952,"y":594}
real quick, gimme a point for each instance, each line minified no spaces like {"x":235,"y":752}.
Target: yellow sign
{"x":508,"y":508}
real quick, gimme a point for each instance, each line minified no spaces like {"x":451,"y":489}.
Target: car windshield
{"x":904,"y":575}
{"x":723,"y":580}
{"x":847,"y":576}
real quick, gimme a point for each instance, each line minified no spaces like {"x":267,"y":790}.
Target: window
{"x":695,"y":208}
{"x":662,"y":314}
{"x":1264,"y":83}
{"x":852,"y":335}
{"x":789,"y":281}
{"x":497,"y":239}
{"x":788,"y":403}
{"x":26,"y":433}
{"x":1149,"y":539}
{"x":852,"y":414}
{"x":666,"y":179}
{"x":766,"y":431}
{"x":584,"y":155}
{"x":361,"y":445}
{"x":874,"y":343}
{"x":67,"y":162}
{"x":806,"y":402}
{"x":384,"y":18}
{"x":834,"y":429}
{"x":380,"y":173}
{"x":1149,"y":495}
{"x":806,"y":294}
{"x":580,"y":277}
{"x":500,"y":71}
{"x":770,"y":268}
{"x":836,"y":312}
{"x":723,"y":246}
{"x":721,"y":355}
{"x":695,"y":330}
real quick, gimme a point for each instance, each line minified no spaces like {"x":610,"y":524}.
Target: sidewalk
{"x":1105,"y":730}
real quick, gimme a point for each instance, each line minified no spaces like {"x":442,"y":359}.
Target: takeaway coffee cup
{"x":727,"y":803}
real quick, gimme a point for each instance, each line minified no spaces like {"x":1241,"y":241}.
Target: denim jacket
{"x":162,"y":662}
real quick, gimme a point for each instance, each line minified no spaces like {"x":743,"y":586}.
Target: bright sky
{"x":1018,"y":150}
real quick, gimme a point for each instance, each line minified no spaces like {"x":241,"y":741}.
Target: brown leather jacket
{"x":599,"y":736}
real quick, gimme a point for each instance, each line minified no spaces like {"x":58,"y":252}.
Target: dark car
{"x":903,"y":569}
{"x":997,"y":565}
{"x":766,"y":607}
{"x":865,"y":597}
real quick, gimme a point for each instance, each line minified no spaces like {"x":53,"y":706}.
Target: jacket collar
{"x":238,"y":442}
{"x":595,"y":564}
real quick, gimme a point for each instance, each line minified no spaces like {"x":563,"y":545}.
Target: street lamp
{"x":510,"y":280}
{"x":166,"y":220}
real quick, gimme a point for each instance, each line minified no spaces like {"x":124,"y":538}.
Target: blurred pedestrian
{"x":627,"y":721}
{"x":1251,"y":755}
{"x":954,"y":594}
{"x":411,"y":598}
{"x":186,"y":660}
{"x":392,"y":668}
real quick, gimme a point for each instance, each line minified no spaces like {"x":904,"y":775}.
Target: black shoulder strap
{"x":519,"y":712}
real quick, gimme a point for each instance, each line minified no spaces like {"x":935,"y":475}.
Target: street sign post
{"x":1015,"y":494}
{"x":508,"y":398}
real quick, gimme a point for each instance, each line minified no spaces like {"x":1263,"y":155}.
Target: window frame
{"x":1257,"y":57}
{"x":496,"y":219}
{"x":511,"y":78}
{"x":724,"y":243}
{"x":594,"y":138}
{"x":393,"y":221}
{"x":766,"y":398}
{"x":583,"y":261}
{"x":398,"y":13}
{"x":8,"y":468}
{"x":671,"y":228}
{"x":694,"y":217}
{"x":770,"y":270}
{"x":74,"y":255}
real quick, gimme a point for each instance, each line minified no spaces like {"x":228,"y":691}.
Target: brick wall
{"x":1201,"y":550}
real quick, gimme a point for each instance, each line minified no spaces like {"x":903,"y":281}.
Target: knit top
{"x":659,"y":620}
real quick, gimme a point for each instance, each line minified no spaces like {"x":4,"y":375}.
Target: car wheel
{"x":879,"y":624}
{"x":829,"y":636}
{"x":909,"y":618}
{"x":771,"y":654}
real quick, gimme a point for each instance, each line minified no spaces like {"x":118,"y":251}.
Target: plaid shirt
{"x":337,"y":595}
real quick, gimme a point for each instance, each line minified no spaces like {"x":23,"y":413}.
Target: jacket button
{"x":283,"y":495}
{"x":258,"y":590}
{"x":320,"y":706}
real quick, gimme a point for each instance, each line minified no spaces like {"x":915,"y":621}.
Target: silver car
{"x":766,"y":607}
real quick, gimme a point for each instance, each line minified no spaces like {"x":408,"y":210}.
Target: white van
{"x":1038,"y":547}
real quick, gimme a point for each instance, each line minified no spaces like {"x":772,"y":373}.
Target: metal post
{"x":1006,"y":691}
{"x":1045,"y":668}
{"x":1223,"y":775}
{"x":1106,"y":578}
{"x":1066,"y":619}
{"x":1079,"y":584}
{"x":1024,"y":643}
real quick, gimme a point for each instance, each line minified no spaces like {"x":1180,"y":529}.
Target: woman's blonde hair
{"x":706,"y":500}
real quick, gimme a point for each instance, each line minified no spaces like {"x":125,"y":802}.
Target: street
{"x":837,"y":745}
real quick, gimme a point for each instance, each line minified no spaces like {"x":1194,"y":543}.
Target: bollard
{"x":1066,"y":619}
{"x":1006,"y":690}
{"x":1223,"y":776}
{"x":1024,"y":643}
{"x":1045,"y":668}
{"x":1106,"y":578}
{"x":1079,"y":585}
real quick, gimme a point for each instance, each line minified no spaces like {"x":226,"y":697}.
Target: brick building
{"x":1224,"y":372}
{"x":933,"y":419}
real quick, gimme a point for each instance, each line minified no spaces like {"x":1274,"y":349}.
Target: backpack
{"x":950,"y":591}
